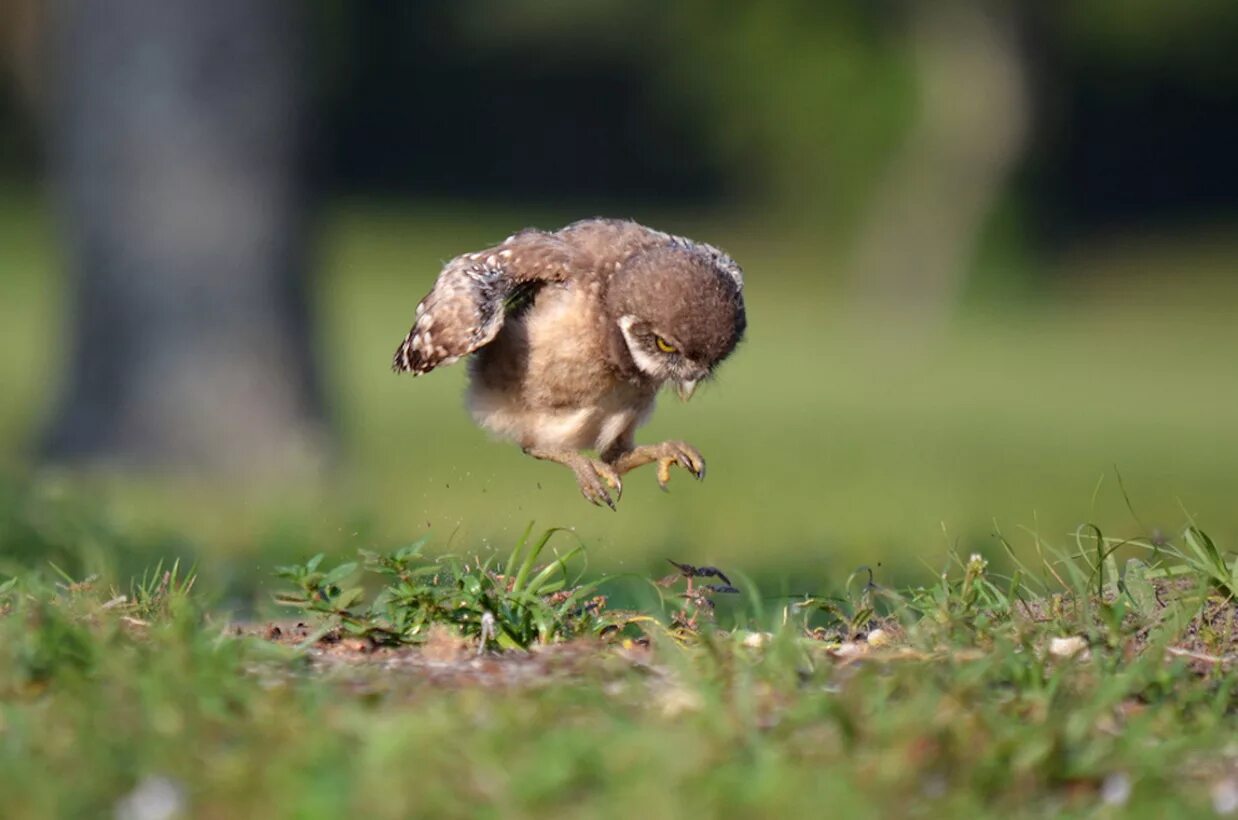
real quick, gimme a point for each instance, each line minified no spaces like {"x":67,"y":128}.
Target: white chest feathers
{"x":565,"y":397}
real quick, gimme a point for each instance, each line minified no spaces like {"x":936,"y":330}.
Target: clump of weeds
{"x":512,"y":603}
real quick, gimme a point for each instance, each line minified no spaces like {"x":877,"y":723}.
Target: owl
{"x":572,"y":333}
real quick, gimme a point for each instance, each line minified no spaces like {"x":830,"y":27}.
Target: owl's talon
{"x":611,"y":477}
{"x":596,"y":494}
{"x":689,"y":458}
{"x":664,"y":455}
{"x":594,"y":477}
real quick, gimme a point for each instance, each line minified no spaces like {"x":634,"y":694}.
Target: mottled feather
{"x":475,"y":292}
{"x":471,"y":298}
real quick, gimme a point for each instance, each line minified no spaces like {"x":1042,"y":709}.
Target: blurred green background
{"x":990,"y":258}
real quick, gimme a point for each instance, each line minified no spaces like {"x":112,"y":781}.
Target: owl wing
{"x":466,"y":308}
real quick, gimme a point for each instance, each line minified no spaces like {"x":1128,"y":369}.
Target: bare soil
{"x":1208,"y":642}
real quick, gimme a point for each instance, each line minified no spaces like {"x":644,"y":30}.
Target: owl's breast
{"x":545,"y":381}
{"x":553,"y":352}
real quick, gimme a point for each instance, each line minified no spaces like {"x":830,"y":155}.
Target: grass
{"x":972,"y":693}
{"x":507,"y":605}
{"x":868,"y":665}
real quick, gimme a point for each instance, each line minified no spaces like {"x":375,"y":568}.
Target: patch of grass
{"x":509,"y":604}
{"x":976,"y":693}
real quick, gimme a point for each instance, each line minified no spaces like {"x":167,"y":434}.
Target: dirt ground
{"x":1208,"y":641}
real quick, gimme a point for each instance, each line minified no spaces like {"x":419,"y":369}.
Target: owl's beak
{"x":685,"y":389}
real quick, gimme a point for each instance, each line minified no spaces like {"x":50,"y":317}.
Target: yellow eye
{"x":663,"y":345}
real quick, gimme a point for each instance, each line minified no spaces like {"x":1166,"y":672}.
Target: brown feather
{"x":466,"y":308}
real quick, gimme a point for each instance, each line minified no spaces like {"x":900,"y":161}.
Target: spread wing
{"x":467,"y":306}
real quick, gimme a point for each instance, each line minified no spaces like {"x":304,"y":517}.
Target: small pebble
{"x":1225,"y":796}
{"x":878,"y":637}
{"x":1067,"y":647}
{"x":1116,"y":789}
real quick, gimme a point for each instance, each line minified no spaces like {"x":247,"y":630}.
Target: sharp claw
{"x":594,"y":478}
{"x":611,"y":478}
{"x":599,"y":498}
{"x":698,"y":466}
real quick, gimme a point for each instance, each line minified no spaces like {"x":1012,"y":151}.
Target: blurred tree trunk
{"x":929,"y":210}
{"x":174,"y":144}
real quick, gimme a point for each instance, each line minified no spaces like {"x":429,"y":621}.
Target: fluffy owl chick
{"x":572,"y":334}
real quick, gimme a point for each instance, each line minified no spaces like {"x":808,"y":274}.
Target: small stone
{"x":879,"y":637}
{"x":756,"y":640}
{"x":1116,"y":789}
{"x":1067,"y":647}
{"x":1225,"y":796}
{"x":154,"y":798}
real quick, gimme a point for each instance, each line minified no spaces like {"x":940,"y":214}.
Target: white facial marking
{"x":648,"y":363}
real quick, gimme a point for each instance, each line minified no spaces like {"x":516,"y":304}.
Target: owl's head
{"x":680,"y":310}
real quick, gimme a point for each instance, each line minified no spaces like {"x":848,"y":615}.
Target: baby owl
{"x":573,"y":333}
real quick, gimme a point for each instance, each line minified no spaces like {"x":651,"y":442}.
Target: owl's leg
{"x":592,"y":475}
{"x":665,"y":454}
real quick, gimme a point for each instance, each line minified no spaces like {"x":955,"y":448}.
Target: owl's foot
{"x":596,"y":478}
{"x":665,"y":454}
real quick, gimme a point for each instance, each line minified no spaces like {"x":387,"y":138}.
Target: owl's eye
{"x":663,"y":345}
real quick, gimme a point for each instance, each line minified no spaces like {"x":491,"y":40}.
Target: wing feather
{"x":466,"y":308}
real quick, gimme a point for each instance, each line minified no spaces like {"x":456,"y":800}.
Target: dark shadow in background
{"x":413,"y":107}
